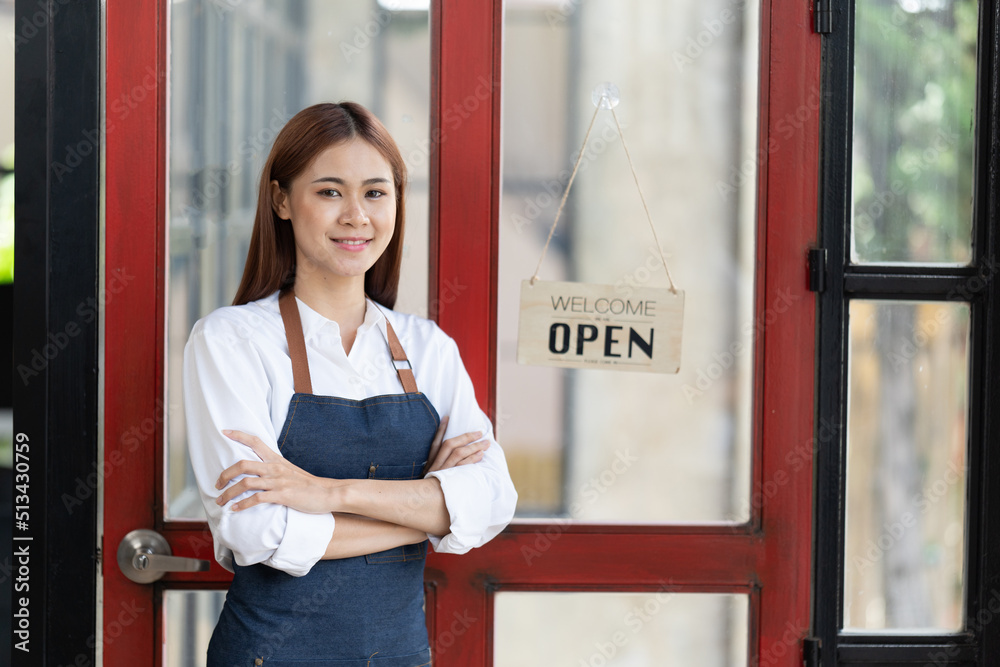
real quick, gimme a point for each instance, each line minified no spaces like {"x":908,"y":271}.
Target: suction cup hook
{"x":606,"y":95}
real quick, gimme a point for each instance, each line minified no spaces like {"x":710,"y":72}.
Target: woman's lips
{"x":352,"y":245}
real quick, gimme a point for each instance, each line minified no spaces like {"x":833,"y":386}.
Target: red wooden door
{"x":767,"y":558}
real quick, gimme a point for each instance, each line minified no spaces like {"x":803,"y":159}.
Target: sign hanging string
{"x":635,"y":177}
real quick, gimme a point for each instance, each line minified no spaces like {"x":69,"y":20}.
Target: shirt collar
{"x":313,"y":323}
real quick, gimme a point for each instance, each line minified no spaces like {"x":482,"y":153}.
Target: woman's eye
{"x":375,"y":194}
{"x":329,"y":192}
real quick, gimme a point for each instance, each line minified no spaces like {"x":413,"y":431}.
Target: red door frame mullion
{"x":789,"y":204}
{"x":465,"y":208}
{"x":135,"y":107}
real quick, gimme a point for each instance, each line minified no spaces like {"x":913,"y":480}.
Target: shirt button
{"x":371,"y":470}
{"x":259,"y":661}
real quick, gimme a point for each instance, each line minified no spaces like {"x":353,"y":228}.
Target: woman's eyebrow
{"x":340,"y":181}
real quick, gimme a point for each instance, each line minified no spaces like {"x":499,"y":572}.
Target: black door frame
{"x":980,"y":642}
{"x":56,"y":336}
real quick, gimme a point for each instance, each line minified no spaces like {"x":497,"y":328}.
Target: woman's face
{"x":342,"y":209}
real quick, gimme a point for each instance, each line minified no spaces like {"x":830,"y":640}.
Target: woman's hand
{"x":457,"y":451}
{"x":275,"y":479}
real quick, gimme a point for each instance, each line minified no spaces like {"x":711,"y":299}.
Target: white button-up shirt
{"x":238,"y":375}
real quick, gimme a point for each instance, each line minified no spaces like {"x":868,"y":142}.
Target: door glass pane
{"x":906,"y":466}
{"x":190,"y":618}
{"x":914,"y":102}
{"x":601,"y":445}
{"x":595,"y":629}
{"x":238,"y":71}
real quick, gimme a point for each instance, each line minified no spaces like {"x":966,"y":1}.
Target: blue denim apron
{"x":366,"y":611}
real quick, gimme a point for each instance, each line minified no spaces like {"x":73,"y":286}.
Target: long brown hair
{"x":271,"y":259}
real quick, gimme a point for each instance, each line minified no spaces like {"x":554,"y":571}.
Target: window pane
{"x":906,"y":466}
{"x":190,"y":618}
{"x":914,"y":102}
{"x":594,"y":629}
{"x":238,"y":71}
{"x":601,"y":445}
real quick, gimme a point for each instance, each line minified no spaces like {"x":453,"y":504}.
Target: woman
{"x":323,"y":468}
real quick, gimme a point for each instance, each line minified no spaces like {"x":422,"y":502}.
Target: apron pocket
{"x":407,"y":552}
{"x":418,"y":659}
{"x":407,"y":471}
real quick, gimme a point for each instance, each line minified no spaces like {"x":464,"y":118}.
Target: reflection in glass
{"x":906,"y":466}
{"x":600,"y":445}
{"x":657,"y":628}
{"x":914,"y":102}
{"x":190,"y":618}
{"x":238,"y":72}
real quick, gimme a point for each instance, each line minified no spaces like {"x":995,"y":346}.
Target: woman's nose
{"x":353,"y":214}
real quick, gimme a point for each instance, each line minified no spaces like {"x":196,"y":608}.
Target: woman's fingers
{"x":465,"y":454}
{"x":241,"y":468}
{"x":272,"y":479}
{"x":448,"y":446}
{"x":241,"y":487}
{"x":253,"y":442}
{"x":459,"y":450}
{"x":438,"y":439}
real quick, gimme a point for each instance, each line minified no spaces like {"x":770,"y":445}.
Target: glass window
{"x":600,"y":445}
{"x":595,"y":629}
{"x":914,"y":103}
{"x":238,"y":72}
{"x":190,"y":618}
{"x":906,"y":466}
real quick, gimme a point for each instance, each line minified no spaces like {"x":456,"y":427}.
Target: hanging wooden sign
{"x":583,"y":325}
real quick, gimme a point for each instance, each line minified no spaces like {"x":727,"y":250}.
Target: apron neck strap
{"x":296,"y":342}
{"x":398,"y":356}
{"x":297,"y":347}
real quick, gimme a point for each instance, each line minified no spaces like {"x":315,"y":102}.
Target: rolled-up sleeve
{"x":226,"y":387}
{"x":480,"y":497}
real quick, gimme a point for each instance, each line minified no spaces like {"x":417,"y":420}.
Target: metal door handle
{"x":144,"y":556}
